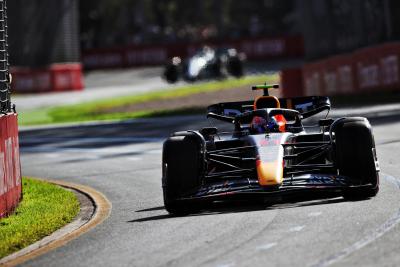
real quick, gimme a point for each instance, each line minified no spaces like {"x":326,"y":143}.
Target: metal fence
{"x":5,"y":78}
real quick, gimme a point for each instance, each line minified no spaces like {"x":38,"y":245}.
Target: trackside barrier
{"x":259,"y":48}
{"x":291,"y":82}
{"x":56,"y":77}
{"x":370,"y":69}
{"x":10,"y":167}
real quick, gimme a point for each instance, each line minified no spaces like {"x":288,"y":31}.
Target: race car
{"x":206,"y":63}
{"x":270,"y":152}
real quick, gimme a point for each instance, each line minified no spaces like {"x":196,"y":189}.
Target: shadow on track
{"x":116,"y":134}
{"x":248,"y":206}
{"x":152,"y":209}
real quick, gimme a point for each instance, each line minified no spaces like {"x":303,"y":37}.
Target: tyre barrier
{"x":55,"y":78}
{"x":10,"y":167}
{"x":370,"y":69}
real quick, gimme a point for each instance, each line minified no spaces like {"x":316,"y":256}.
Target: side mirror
{"x":207,"y":131}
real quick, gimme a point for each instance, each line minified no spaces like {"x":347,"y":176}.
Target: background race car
{"x":206,"y":63}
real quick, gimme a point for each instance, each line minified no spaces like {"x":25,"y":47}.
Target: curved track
{"x":123,"y":161}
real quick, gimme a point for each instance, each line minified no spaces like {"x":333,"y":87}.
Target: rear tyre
{"x":356,"y":157}
{"x":215,"y":69}
{"x":181,"y":173}
{"x":171,"y":73}
{"x":235,"y":67}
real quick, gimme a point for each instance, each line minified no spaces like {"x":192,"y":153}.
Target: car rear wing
{"x":307,"y":106}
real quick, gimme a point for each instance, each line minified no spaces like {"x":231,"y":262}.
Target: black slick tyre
{"x":356,"y":157}
{"x":171,"y":73}
{"x":235,"y":67}
{"x":181,"y":173}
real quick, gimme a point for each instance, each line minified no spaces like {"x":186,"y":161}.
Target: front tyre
{"x":182,"y":164}
{"x":356,"y":157}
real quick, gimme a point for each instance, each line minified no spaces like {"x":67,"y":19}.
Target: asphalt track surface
{"x":123,"y":161}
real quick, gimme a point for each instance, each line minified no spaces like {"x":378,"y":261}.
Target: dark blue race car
{"x":269,"y":152}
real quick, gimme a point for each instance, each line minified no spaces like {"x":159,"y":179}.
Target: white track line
{"x":296,"y":228}
{"x":380,"y":231}
{"x":266,"y":246}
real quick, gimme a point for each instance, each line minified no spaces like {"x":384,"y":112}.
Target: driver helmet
{"x":260,"y":125}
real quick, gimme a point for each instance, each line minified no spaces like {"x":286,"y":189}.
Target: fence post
{"x":5,"y":78}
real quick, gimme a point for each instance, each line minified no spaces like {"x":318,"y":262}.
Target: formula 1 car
{"x":205,"y":64}
{"x":270,"y":152}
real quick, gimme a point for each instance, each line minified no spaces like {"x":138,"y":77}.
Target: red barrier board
{"x":389,"y":65}
{"x":291,"y":82}
{"x":368,"y":69}
{"x":57,"y":77}
{"x":66,"y":77}
{"x":366,"y":61}
{"x":345,"y":71}
{"x":312,"y":79}
{"x":10,"y":168}
{"x":107,"y":58}
{"x":26,"y":80}
{"x":3,"y":178}
{"x":145,"y":56}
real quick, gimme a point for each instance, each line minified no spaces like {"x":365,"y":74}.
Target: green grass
{"x":99,"y":110}
{"x":45,"y":208}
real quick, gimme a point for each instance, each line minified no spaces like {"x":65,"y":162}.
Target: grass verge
{"x":98,"y":110}
{"x":45,"y":208}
